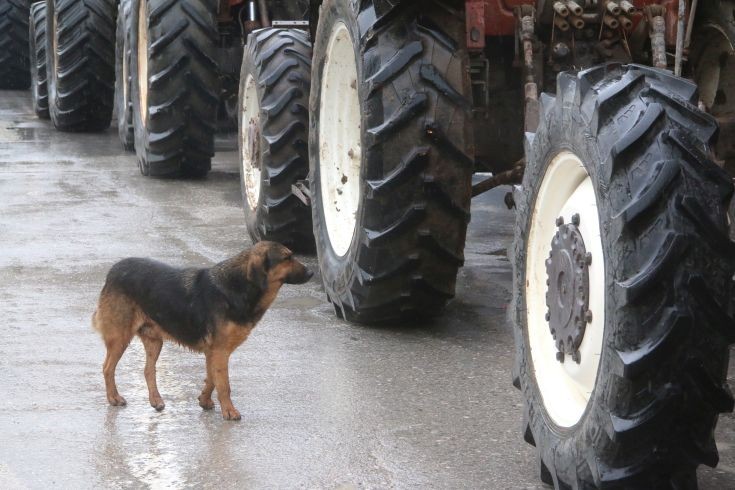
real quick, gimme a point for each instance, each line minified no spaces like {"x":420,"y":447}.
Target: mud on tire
{"x":37,"y":35}
{"x":175,"y":116}
{"x":416,"y":160}
{"x":669,"y":270}
{"x":14,"y":57}
{"x":80,"y":37}
{"x":278,"y":62}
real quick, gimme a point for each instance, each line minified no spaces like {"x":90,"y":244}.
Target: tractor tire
{"x":391,"y":156}
{"x":15,"y":73}
{"x":175,"y":86}
{"x":80,"y":53}
{"x":625,"y":391}
{"x":37,"y":35}
{"x":274,"y":99}
{"x":123,"y":106}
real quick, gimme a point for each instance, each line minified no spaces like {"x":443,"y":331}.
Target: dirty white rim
{"x":143,"y":60}
{"x":340,"y":150}
{"x":249,"y":144}
{"x":565,"y":387}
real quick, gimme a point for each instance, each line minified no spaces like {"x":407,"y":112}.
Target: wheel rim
{"x":143,"y":60}
{"x":250,"y":142}
{"x":340,"y":149}
{"x":565,"y":386}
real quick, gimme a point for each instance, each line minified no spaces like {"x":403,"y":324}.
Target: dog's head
{"x":271,"y":262}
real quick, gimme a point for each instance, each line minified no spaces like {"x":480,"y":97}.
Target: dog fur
{"x":210,"y":310}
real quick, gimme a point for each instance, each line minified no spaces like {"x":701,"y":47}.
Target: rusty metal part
{"x":568,"y":293}
{"x":475,"y":25}
{"x":513,"y":176}
{"x":680,"y":26}
{"x":265,"y":20}
{"x":658,"y":38}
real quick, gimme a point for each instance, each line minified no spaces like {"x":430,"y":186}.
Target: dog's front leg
{"x":220,"y":370}
{"x":205,"y":399}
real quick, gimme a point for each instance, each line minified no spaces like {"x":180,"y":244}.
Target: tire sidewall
{"x":338,"y":272}
{"x":564,"y":130}
{"x":138,"y":124}
{"x":122,"y":56}
{"x":33,"y":57}
{"x":51,"y":68}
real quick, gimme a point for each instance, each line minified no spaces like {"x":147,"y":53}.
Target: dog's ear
{"x":258,"y":266}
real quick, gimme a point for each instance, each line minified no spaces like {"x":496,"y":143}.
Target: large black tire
{"x":123,"y":105}
{"x":81,"y":87}
{"x":174,"y":132}
{"x":15,"y":71}
{"x":278,"y":62}
{"x":37,"y":35}
{"x":669,"y":265}
{"x":416,"y":161}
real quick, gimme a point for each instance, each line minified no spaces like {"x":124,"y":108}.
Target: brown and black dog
{"x":207,"y":310}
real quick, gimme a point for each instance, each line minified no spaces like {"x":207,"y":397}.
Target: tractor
{"x":360,"y":125}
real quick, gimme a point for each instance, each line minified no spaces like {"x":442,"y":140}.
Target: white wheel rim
{"x":340,"y":149}
{"x":565,"y":387}
{"x":143,"y":60}
{"x":250,"y":142}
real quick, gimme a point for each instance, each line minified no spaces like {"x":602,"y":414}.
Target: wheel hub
{"x":568,"y":291}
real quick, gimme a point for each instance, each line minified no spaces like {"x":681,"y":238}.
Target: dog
{"x":211,"y":311}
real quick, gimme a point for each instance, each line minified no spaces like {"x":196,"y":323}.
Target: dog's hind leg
{"x":115,"y":349}
{"x":205,"y":399}
{"x":153,"y":347}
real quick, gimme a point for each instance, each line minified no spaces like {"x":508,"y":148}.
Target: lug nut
{"x":576,"y":220}
{"x":588,"y":316}
{"x":559,"y":221}
{"x":560,"y":356}
{"x":588,"y":258}
{"x":577,"y":357}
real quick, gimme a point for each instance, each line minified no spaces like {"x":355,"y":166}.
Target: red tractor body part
{"x":498,"y":18}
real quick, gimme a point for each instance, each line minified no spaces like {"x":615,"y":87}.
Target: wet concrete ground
{"x":325,"y":404}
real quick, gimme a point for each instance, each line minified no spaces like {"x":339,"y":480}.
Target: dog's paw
{"x":206,"y":404}
{"x":117,"y":401}
{"x":230,"y":413}
{"x":158,"y":404}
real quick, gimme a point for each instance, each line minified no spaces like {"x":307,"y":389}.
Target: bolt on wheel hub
{"x":568,"y":289}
